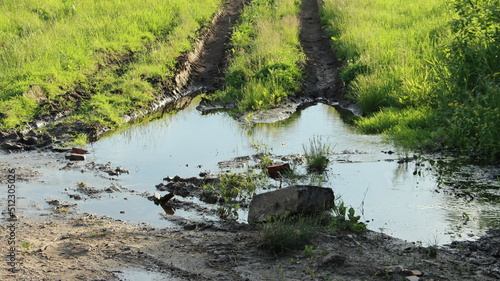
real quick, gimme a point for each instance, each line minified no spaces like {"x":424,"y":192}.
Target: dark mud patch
{"x":97,"y":168}
{"x":85,"y":191}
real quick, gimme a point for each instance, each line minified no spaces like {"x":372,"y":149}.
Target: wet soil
{"x":89,"y":247}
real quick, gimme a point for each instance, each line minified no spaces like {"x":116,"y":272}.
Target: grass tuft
{"x":317,"y":154}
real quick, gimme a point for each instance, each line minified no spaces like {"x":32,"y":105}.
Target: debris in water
{"x":276,"y":171}
{"x":75,"y":157}
{"x":75,"y":150}
{"x":162,"y":201}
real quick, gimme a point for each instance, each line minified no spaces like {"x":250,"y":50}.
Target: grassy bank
{"x":266,"y":56}
{"x":425,"y":72}
{"x":114,"y":54}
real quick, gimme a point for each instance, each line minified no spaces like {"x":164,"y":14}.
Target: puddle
{"x":385,"y":192}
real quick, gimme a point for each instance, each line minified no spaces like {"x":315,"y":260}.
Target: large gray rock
{"x":294,"y":199}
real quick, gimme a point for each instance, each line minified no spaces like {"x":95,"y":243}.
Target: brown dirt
{"x":89,"y":247}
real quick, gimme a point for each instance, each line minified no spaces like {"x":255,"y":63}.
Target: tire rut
{"x":322,"y":81}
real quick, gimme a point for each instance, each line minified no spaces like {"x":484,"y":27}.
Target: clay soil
{"x":68,"y":246}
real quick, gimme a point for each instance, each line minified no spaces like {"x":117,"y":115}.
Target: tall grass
{"x":424,"y":71}
{"x":469,"y":103}
{"x":266,"y":56}
{"x":120,"y":51}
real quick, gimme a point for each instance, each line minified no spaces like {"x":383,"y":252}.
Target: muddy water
{"x":386,"y":193}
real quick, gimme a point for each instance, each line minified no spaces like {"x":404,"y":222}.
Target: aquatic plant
{"x":317,"y":154}
{"x":229,"y":189}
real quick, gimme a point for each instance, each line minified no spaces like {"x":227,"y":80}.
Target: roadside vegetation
{"x":287,"y":233}
{"x":100,"y":59}
{"x":266,"y":58}
{"x":424,"y":72}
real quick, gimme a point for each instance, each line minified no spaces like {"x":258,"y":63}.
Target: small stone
{"x":332,"y":260}
{"x":415,"y":272}
{"x":412,"y":278}
{"x":190,"y":226}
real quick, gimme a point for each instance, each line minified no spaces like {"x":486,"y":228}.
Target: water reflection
{"x":387,"y":193}
{"x":390,"y":195}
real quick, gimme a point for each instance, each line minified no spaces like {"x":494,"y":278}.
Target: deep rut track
{"x":322,"y":81}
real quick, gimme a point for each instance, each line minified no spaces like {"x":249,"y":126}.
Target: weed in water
{"x":317,"y":154}
{"x":229,"y":189}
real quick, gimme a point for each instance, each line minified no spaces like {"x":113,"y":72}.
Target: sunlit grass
{"x":119,"y":49}
{"x":265,"y":68}
{"x":386,"y":46}
{"x":422,"y":70}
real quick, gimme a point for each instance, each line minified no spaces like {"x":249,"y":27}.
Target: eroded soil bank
{"x":90,"y":247}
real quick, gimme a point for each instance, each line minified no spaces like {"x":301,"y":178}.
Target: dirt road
{"x":66,"y":246}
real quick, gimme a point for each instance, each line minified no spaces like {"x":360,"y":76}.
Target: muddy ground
{"x":62,"y":244}
{"x":90,"y":247}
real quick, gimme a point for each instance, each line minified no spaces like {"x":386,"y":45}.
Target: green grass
{"x":317,"y":154}
{"x":231,"y":189}
{"x":426,"y":72}
{"x":266,"y":56}
{"x":288,"y":233}
{"x":120,"y":52}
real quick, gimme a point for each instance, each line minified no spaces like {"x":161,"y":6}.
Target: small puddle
{"x":385,"y":192}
